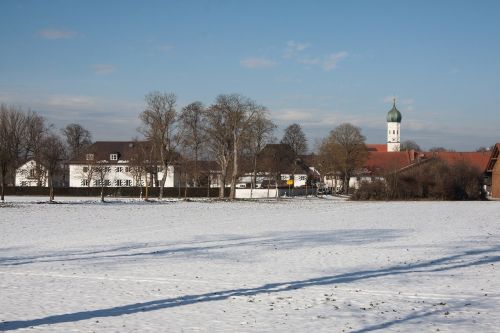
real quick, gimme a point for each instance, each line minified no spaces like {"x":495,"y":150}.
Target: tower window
{"x":393,"y":132}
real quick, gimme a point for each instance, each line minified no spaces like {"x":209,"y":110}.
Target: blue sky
{"x":317,"y":63}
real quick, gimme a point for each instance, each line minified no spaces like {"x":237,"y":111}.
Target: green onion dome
{"x":394,"y":116}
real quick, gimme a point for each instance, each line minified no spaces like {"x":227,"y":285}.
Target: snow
{"x":295,"y":265}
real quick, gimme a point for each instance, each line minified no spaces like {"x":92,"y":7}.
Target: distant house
{"x":381,"y":162}
{"x":278,"y":165}
{"x":31,"y":174}
{"x":119,"y":164}
{"x":493,"y":173}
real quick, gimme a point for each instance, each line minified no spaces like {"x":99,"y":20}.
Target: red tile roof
{"x":377,"y":147}
{"x":478,"y":160}
{"x":381,"y":162}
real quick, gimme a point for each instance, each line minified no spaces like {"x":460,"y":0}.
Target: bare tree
{"x":295,"y":137}
{"x":219,"y":142}
{"x":344,"y":150}
{"x":100,"y":171}
{"x":36,"y":131}
{"x":50,"y":155}
{"x":77,"y":139}
{"x":142,"y":166}
{"x":230,"y":120}
{"x":409,"y":145}
{"x":260,"y":134}
{"x":440,"y":149}
{"x":12,"y":142}
{"x":193,"y":118}
{"x":160,"y":126}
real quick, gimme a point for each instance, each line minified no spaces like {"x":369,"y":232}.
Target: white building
{"x":108,"y":163}
{"x":394,"y":129}
{"x":31,"y":174}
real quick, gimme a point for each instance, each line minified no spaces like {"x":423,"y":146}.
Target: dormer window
{"x":89,"y":157}
{"x":113,"y":157}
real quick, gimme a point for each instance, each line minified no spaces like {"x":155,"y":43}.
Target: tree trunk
{"x":254,"y":177}
{"x":185,"y":185}
{"x":208,"y":185}
{"x":102,"y":192}
{"x":222,"y":182}
{"x":234,"y":175}
{"x":346,"y":183}
{"x":51,"y":188}
{"x":2,"y":181}
{"x":162,"y":181}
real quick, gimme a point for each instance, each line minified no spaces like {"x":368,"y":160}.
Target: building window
{"x":118,"y":182}
{"x":393,"y":132}
{"x":113,"y":157}
{"x":89,"y":157}
{"x":107,"y":169}
{"x":128,"y":182}
{"x":302,"y":177}
{"x":127,"y":169}
{"x":85,"y":182}
{"x":97,"y":182}
{"x":107,"y":182}
{"x":85,"y":169}
{"x":119,"y":169}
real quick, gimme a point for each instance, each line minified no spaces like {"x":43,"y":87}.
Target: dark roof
{"x":103,"y":149}
{"x":280,"y":158}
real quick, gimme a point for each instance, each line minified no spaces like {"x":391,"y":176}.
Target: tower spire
{"x":394,"y":101}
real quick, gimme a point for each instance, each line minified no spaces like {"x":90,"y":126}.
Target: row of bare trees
{"x":231,"y":127}
{"x":234,"y":130}
{"x":26,"y":135}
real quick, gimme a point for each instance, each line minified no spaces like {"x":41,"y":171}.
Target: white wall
{"x":393,"y":136}
{"x":23,"y":177}
{"x":77,"y":175}
{"x":259,"y":193}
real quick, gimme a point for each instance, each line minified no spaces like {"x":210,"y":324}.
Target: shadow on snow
{"x":466,"y":259}
{"x":216,"y":246}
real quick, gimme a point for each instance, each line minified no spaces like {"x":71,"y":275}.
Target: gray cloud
{"x":257,"y":63}
{"x":103,"y":69}
{"x":52,"y":33}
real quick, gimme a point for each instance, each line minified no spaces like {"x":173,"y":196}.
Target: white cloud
{"x":333,"y":59}
{"x":293,"y":48}
{"x":103,"y":69}
{"x":257,"y":63}
{"x":293,"y":115}
{"x":51,"y":33}
{"x":309,"y":61}
{"x":69,"y":101}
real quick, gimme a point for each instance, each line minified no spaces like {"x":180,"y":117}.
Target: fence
{"x":170,"y":192}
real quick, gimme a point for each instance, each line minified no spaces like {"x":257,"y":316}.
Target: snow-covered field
{"x":298,"y":265}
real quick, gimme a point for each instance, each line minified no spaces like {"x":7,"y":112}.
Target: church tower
{"x":394,"y":129}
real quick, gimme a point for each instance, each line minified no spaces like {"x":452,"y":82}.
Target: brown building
{"x":493,"y":172}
